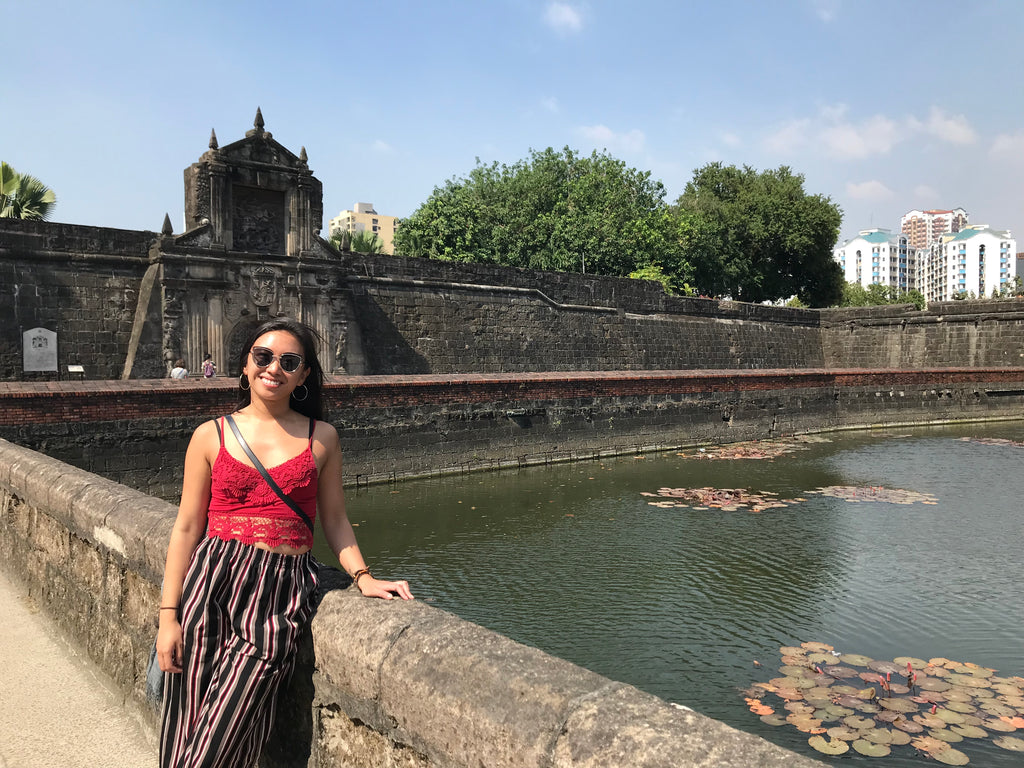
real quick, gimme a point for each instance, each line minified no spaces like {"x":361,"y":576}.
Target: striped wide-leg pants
{"x":242,"y":611}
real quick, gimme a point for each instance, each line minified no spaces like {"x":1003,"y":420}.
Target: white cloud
{"x":603,"y":137}
{"x":868,"y":190}
{"x":874,"y":136}
{"x":950,"y":128}
{"x":731,"y":140}
{"x":835,"y":134}
{"x":550,"y":104}
{"x":1009,"y":144}
{"x":826,"y":10}
{"x":382,"y":147}
{"x":563,"y":18}
{"x":789,"y":138}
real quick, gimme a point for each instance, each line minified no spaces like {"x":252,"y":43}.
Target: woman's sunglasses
{"x":263,"y":357}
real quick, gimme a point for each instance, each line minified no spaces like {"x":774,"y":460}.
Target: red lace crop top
{"x":244,"y":507}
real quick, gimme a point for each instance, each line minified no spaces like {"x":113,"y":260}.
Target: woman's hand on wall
{"x":371,"y":587}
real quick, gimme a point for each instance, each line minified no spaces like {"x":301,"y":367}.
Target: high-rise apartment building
{"x":363,"y":218}
{"x":922,"y":228}
{"x":878,"y":257}
{"x":976,"y":260}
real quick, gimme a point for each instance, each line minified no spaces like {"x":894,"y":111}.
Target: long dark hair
{"x":313,"y":404}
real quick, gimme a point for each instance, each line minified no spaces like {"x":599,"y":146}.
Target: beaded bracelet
{"x":361,"y":572}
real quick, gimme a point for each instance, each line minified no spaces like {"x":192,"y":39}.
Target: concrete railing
{"x":381,"y":683}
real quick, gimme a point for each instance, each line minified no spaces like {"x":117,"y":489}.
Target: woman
{"x":239,"y":579}
{"x":179,"y":371}
{"x":209,"y":367}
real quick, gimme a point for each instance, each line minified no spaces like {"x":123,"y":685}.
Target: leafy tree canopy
{"x":555,"y":210}
{"x":757,"y":236}
{"x":856,"y":295}
{"x":23,"y":196}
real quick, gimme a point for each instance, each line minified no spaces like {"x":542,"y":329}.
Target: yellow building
{"x":364,"y":219}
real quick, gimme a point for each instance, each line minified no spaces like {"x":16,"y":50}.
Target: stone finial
{"x":258,"y":122}
{"x":303,"y":157}
{"x":213,"y":139}
{"x":167,"y":230}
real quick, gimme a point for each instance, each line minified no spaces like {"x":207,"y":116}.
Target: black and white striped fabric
{"x":242,"y":611}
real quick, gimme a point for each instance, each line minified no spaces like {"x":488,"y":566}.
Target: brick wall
{"x":400,"y":426}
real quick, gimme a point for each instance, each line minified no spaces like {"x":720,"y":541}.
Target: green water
{"x":574,"y":560}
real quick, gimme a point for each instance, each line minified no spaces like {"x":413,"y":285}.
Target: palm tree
{"x":359,"y":241}
{"x":23,"y":196}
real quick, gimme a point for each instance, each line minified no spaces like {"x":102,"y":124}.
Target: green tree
{"x":856,"y":295}
{"x":758,"y":236}
{"x":23,"y":196}
{"x":359,"y":241}
{"x":555,"y":210}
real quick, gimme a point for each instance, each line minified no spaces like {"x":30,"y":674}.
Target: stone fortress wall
{"x":118,"y":296}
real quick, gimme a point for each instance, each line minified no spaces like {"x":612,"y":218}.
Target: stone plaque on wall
{"x":40,"y":350}
{"x":258,"y":221}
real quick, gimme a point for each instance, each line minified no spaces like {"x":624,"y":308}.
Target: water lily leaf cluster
{"x":908,"y":703}
{"x":855,"y":493}
{"x":733,"y":499}
{"x":756,"y":449}
{"x":992,"y":441}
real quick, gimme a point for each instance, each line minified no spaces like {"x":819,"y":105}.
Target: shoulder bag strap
{"x":266,"y":475}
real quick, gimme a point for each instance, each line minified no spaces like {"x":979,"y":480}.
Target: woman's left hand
{"x":371,"y":587}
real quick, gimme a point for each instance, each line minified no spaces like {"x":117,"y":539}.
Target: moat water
{"x":685,"y":603}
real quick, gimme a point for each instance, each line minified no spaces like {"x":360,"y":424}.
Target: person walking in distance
{"x":239,"y":581}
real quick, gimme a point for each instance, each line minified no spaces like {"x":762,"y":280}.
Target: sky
{"x":883,"y":106}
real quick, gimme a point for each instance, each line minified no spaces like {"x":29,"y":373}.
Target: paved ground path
{"x":56,"y":707}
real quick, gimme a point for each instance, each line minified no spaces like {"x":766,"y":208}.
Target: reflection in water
{"x":681,"y":602}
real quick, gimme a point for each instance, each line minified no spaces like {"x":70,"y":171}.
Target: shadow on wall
{"x":389,"y":353}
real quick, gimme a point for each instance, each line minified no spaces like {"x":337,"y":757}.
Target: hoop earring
{"x":243,"y":379}
{"x":305,"y":393}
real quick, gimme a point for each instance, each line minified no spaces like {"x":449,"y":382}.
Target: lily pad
{"x":855,"y":659}
{"x":900,"y":738}
{"x":792,"y":650}
{"x":969,"y":731}
{"x":914,"y":662}
{"x":995,"y":724}
{"x":933,"y":684}
{"x":844,"y":733}
{"x":929,"y":720}
{"x":908,"y":726}
{"x":943,"y":734}
{"x":962,"y":707}
{"x":885,"y":667}
{"x":842,"y":672}
{"x":899,"y":705}
{"x":860,"y":723}
{"x":951,"y":757}
{"x":775,"y":719}
{"x":871,"y":749}
{"x":878,"y":735}
{"x":1011,"y":743}
{"x":831,"y":747}
{"x":948,"y":716}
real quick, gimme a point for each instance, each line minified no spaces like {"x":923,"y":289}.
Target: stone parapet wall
{"x":641,"y":296}
{"x":950,"y":333}
{"x":411,"y":327}
{"x":381,"y":683}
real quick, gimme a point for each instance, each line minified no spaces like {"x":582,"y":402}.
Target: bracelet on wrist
{"x":359,"y":574}
{"x":168,"y":607}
